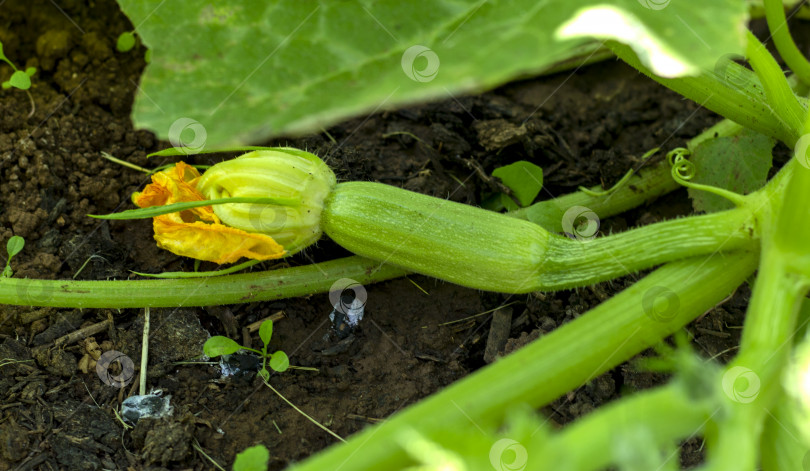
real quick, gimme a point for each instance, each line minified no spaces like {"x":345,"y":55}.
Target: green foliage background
{"x":250,"y":70}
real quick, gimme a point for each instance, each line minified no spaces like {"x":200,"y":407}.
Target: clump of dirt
{"x":583,"y":128}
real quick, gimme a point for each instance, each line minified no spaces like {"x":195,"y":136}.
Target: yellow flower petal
{"x":213,"y":242}
{"x":198,"y":232}
{"x":176,"y":185}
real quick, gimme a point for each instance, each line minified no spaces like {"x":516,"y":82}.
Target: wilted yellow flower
{"x":198,"y":232}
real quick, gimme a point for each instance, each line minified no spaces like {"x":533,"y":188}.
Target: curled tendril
{"x":684,"y":170}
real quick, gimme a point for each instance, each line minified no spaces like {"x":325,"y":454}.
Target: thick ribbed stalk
{"x":571,"y":263}
{"x":783,"y":102}
{"x":764,"y":350}
{"x":792,"y":231}
{"x":770,"y":322}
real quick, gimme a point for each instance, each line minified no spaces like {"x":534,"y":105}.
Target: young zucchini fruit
{"x":455,"y":242}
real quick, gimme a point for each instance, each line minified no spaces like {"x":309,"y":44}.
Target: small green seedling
{"x":219,"y":345}
{"x":14,"y":246}
{"x":20,"y":79}
{"x":254,"y":458}
{"x":525,"y":179}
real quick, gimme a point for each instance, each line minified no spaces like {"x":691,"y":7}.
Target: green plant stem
{"x":770,"y":324}
{"x":764,"y":350}
{"x":571,"y":263}
{"x":707,"y":90}
{"x":780,"y":440}
{"x":792,"y":231}
{"x":781,"y":443}
{"x":780,"y":96}
{"x":558,"y":362}
{"x":646,"y":185}
{"x":663,"y":415}
{"x":791,"y":228}
{"x":777,"y":24}
{"x":768,"y":331}
{"x":239,"y":288}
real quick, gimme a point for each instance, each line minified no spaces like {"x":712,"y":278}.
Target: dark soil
{"x":584,"y":128}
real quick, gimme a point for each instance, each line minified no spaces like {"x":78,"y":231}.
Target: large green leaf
{"x":248,"y":70}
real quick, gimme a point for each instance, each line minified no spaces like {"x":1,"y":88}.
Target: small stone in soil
{"x":499,"y":331}
{"x":339,"y":347}
{"x":13,"y":442}
{"x":138,"y":407}
{"x":239,"y":364}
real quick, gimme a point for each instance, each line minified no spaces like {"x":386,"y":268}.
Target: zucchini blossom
{"x":224,"y":233}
